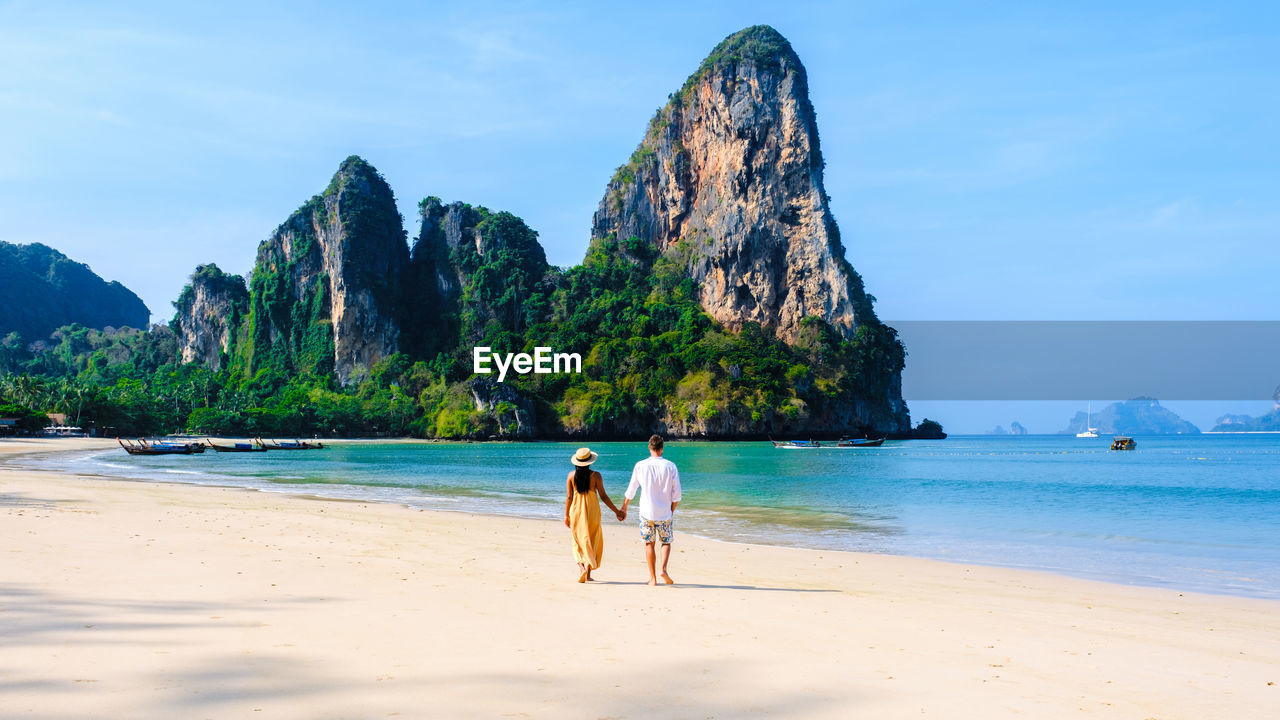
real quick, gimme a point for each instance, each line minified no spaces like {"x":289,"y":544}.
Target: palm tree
{"x":23,"y":390}
{"x":60,"y":394}
{"x":41,"y":394}
{"x":8,"y":386}
{"x":80,"y":394}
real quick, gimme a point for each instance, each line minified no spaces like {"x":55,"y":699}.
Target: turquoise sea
{"x":1195,"y":513}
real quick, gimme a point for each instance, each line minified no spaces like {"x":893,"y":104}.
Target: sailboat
{"x":1090,"y":431}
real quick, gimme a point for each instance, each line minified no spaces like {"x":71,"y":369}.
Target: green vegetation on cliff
{"x":760,"y":45}
{"x":651,"y":356}
{"x":472,"y":272}
{"x":500,"y":279}
{"x":715,"y":300}
{"x":42,"y":290}
{"x":215,"y":280}
{"x":288,"y":332}
{"x":345,"y":331}
{"x":348,"y":241}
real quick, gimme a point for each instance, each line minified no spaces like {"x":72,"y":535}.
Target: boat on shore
{"x":236,"y":447}
{"x":141,"y":446}
{"x":290,"y":445}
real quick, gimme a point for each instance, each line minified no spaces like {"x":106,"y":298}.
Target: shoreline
{"x":94,"y":445}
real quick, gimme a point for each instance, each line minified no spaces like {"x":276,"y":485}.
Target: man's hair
{"x":655,"y":443}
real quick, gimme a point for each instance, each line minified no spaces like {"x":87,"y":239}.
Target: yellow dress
{"x":584,"y":523}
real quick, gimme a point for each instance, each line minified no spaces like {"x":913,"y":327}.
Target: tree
{"x":29,"y":421}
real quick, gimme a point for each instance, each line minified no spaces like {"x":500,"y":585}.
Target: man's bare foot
{"x":653,"y":582}
{"x":667,"y":579}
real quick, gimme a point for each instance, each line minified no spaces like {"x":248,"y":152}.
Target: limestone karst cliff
{"x":727,"y":183}
{"x":470,"y":267}
{"x":715,"y":299}
{"x":729,"y":178}
{"x":208,"y":315}
{"x":326,"y":285}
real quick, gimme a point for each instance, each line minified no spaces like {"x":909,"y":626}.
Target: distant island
{"x":1139,"y":416}
{"x":1015,"y":428}
{"x":1245,"y":423}
{"x":714,"y":301}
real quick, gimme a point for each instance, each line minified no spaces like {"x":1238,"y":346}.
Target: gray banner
{"x":1076,"y":360}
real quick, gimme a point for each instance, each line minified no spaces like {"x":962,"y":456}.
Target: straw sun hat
{"x":584,"y":457}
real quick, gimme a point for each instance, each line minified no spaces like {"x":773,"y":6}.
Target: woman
{"x":583,"y":492}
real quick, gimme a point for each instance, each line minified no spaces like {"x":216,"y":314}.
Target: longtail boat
{"x":851,"y":443}
{"x":796,"y":444}
{"x":142,"y":447}
{"x":194,"y":447}
{"x":236,"y":447}
{"x":811,"y":444}
{"x":294,"y":445}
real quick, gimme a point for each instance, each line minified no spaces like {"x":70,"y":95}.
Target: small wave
{"x":441,"y":498}
{"x":184,"y":472}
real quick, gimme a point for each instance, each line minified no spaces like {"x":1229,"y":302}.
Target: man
{"x":659,"y":483}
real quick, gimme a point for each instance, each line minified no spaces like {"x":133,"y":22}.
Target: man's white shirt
{"x":659,"y":481}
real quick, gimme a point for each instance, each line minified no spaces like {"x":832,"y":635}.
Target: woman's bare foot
{"x":652,"y":581}
{"x":667,"y":579}
{"x":586,"y":571}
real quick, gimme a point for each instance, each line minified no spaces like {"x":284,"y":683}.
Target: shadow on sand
{"x":96,"y":676}
{"x":707,"y":586}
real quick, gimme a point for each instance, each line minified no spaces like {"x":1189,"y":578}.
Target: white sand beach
{"x":129,"y":599}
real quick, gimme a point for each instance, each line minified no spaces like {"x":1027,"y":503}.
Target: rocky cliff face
{"x":471,"y":267}
{"x":727,"y":183}
{"x":41,"y":290}
{"x":513,"y":413}
{"x":714,"y":301}
{"x":326,"y":285}
{"x":209,"y":312}
{"x":729,"y":178}
{"x":444,"y":229}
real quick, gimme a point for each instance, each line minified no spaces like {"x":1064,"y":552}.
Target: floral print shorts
{"x":661,"y":527}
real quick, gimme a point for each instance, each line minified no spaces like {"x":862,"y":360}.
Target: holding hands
{"x":622,"y":515}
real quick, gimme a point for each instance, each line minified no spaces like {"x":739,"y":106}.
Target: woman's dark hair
{"x":582,"y":478}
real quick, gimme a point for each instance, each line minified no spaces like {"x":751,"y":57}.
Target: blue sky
{"x":985,"y":160}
